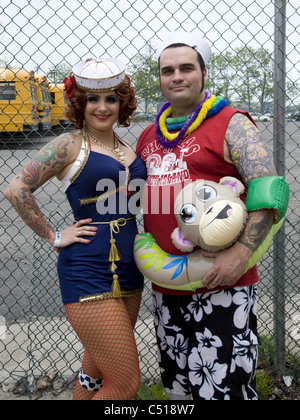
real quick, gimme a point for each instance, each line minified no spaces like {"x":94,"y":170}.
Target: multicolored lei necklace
{"x":187,"y":125}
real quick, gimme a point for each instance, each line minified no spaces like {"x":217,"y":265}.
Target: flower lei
{"x":206,"y":109}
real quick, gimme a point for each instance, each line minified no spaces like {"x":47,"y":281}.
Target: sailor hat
{"x":191,"y":39}
{"x":99,"y":74}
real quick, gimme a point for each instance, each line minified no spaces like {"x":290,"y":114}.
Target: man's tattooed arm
{"x":248,"y":151}
{"x":252,"y":158}
{"x":257,"y":229}
{"x":49,"y":162}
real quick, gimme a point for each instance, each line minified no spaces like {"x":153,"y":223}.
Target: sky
{"x":43,"y":33}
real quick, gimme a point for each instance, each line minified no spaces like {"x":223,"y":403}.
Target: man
{"x":207,"y":340}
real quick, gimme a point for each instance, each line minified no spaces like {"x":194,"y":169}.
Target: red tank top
{"x":199,"y":156}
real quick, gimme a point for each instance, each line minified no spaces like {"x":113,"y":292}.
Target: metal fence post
{"x":279,"y":160}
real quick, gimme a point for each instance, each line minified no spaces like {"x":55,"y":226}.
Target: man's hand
{"x":231,"y":264}
{"x":229,"y":267}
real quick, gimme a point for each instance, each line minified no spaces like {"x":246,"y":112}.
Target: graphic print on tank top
{"x":168,"y":168}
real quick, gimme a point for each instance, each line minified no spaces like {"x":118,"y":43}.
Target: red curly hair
{"x":128,"y":104}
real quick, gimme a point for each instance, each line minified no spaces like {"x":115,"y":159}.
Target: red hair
{"x":128,"y":104}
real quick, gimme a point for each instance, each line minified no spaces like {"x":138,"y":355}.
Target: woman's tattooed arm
{"x":25,"y":204}
{"x":49,"y":162}
{"x":252,"y":158}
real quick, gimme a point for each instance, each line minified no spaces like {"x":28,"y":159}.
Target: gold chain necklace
{"x":121,"y":157}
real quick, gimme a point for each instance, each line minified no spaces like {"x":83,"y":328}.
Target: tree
{"x":145,"y":78}
{"x":247,"y":74}
{"x":221,"y":75}
{"x":58,"y":73}
{"x":265,"y":80}
{"x":255,"y":70}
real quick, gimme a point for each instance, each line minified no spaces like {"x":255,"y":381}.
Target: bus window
{"x":7,"y":91}
{"x":18,"y":103}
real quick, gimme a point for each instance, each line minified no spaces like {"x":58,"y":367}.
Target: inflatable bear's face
{"x":209,"y":215}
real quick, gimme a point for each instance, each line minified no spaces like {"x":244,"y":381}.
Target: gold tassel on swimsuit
{"x":114,"y":254}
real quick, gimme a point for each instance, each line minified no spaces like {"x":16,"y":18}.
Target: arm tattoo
{"x":249,"y":152}
{"x":28,"y":209}
{"x":49,"y":162}
{"x":253,"y":159}
{"x":257,"y":228}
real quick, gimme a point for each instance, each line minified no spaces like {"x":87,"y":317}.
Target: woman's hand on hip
{"x":74,"y":234}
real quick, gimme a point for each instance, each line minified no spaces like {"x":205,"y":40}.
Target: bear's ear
{"x":182,"y":244}
{"x":236,"y":185}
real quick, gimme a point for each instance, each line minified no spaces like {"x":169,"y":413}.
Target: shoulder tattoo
{"x":249,"y":152}
{"x":48,"y":163}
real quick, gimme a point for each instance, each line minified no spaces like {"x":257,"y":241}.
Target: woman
{"x":100,"y":284}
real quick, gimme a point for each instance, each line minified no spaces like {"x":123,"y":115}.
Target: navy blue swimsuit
{"x":84,"y":270}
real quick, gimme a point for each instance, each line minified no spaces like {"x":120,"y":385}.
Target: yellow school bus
{"x":58,"y":104}
{"x":44,"y":102}
{"x":18,"y":101}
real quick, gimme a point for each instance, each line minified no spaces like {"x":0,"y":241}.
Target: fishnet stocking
{"x":105,"y":328}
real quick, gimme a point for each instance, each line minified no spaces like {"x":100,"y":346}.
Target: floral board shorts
{"x":208,"y":344}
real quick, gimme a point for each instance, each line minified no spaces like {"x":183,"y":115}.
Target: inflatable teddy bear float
{"x":210,"y":216}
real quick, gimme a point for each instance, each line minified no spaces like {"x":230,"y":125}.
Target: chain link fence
{"x":48,"y":37}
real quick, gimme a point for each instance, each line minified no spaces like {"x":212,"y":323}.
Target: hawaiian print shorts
{"x":208,"y":344}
